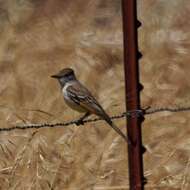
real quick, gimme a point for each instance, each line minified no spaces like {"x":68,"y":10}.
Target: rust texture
{"x":132,"y":84}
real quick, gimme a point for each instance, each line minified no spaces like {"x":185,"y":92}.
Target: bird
{"x":80,"y":99}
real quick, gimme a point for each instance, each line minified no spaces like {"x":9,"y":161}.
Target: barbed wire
{"x":133,"y":113}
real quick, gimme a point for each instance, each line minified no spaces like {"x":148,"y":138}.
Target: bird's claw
{"x":79,"y":122}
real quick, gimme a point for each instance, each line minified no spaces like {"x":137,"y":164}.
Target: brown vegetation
{"x":40,"y":37}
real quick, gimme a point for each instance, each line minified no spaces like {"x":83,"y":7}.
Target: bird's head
{"x":64,"y":76}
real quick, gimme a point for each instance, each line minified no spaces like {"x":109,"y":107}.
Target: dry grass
{"x":40,"y":37}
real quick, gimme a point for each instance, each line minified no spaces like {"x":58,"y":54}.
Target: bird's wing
{"x":81,"y":96}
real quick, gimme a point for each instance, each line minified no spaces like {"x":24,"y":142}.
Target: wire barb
{"x":132,"y":113}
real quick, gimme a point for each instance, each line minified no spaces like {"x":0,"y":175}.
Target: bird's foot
{"x":79,"y":122}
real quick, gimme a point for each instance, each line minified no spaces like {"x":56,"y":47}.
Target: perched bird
{"x":80,"y":99}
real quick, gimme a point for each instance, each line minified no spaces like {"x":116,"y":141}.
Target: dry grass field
{"x":40,"y":37}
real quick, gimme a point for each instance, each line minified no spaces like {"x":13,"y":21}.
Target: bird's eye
{"x":66,"y":75}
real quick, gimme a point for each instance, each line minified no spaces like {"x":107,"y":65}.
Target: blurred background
{"x":40,"y":37}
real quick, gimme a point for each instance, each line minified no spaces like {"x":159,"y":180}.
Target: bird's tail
{"x":109,"y":121}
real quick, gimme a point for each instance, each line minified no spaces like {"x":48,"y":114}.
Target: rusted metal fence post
{"x":132,"y":87}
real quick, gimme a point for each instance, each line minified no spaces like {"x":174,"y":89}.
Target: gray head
{"x":64,"y":76}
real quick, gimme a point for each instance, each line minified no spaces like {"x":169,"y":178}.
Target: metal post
{"x":132,"y":83}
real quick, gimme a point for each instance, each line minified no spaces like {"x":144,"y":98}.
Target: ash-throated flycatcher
{"x":79,"y":98}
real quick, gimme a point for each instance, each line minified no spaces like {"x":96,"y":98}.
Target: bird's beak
{"x":55,"y":76}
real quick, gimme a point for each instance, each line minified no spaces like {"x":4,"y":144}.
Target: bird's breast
{"x":70,"y":102}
